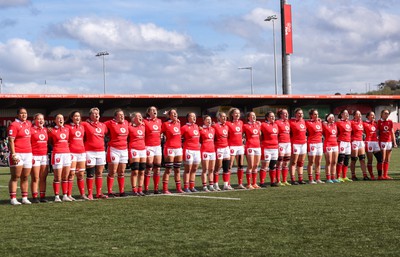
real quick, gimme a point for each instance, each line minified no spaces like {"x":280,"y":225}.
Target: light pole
{"x":273,"y":18}
{"x":1,"y":85}
{"x":251,"y":76}
{"x":104,"y":67}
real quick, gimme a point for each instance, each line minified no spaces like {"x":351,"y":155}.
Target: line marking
{"x":206,"y":197}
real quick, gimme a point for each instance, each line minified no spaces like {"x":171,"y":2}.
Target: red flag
{"x":288,"y":28}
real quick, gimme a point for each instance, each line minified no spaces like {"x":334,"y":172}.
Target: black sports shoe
{"x":274,"y":184}
{"x":35,"y":200}
{"x":302,"y":182}
{"x":263,"y":185}
{"x":43,"y":200}
{"x":146,"y":192}
{"x":156,"y":192}
{"x":123,"y":194}
{"x":354,"y":178}
{"x":141,"y":194}
{"x":366,"y":178}
{"x":135,"y":194}
{"x":294,"y":183}
{"x":111,"y":195}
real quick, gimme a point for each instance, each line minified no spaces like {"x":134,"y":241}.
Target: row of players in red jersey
{"x":79,"y":147}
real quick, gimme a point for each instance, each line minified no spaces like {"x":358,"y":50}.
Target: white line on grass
{"x":205,"y":197}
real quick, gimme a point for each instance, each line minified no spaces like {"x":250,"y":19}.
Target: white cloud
{"x":99,"y":33}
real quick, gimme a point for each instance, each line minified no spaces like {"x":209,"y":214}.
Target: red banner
{"x":288,"y":28}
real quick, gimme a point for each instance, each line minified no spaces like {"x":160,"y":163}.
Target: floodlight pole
{"x":251,"y":76}
{"x":102,"y":54}
{"x":273,"y":18}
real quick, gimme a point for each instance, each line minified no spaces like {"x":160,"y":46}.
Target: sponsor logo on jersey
{"x":41,"y":137}
{"x":225,"y":132}
{"x":78,"y":134}
{"x":255,"y":131}
{"x":176,"y":129}
{"x":27,"y":132}
{"x":63,"y":136}
{"x":333,"y":132}
{"x":318,"y":126}
{"x":155,"y":127}
{"x":275,"y":130}
{"x":140,"y":133}
{"x":98,"y":130}
{"x":302,"y":126}
{"x":210,"y":135}
{"x":195,"y":132}
{"x":123,"y":130}
{"x":237,"y":129}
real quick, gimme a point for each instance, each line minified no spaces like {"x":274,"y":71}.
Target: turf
{"x":350,"y":219}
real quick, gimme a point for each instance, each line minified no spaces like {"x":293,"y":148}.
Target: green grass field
{"x":351,"y":219}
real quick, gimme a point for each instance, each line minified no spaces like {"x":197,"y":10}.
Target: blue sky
{"x":177,"y":46}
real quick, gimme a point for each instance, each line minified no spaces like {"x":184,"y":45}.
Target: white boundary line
{"x":205,"y":197}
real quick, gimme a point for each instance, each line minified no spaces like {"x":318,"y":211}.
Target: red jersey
{"x":298,"y":131}
{"x":191,"y":136}
{"x":235,"y":133}
{"x":76,"y":135}
{"x":357,"y":130}
{"x":39,"y":140}
{"x":385,"y":128}
{"x":252,"y":133}
{"x":207,"y":135}
{"x":137,"y":136}
{"x":344,"y":130}
{"x":221,"y":135}
{"x":21,"y":132}
{"x":370,"y":130}
{"x":269,"y":137}
{"x":153,"y":132}
{"x":59,"y":138}
{"x":283,"y":131}
{"x":118,"y":134}
{"x":314,"y":129}
{"x":330,"y":134}
{"x":94,"y":135}
{"x":172,"y":133}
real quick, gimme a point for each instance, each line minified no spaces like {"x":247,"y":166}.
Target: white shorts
{"x":206,"y":156}
{"x":355,"y":145}
{"x":236,"y":150}
{"x":192,"y":157}
{"x":25,"y":160}
{"x":253,"y":151}
{"x":331,"y":149}
{"x":172,"y":152}
{"x":345,"y":148}
{"x":153,"y":151}
{"x":284,"y":149}
{"x":40,"y":160}
{"x":223,"y":153}
{"x":299,"y":149}
{"x":59,"y":160}
{"x":315,"y":149}
{"x":78,"y":157}
{"x":270,"y":154}
{"x":386,"y":146}
{"x":372,"y":146}
{"x":95,"y":158}
{"x":115,"y":155}
{"x":134,"y":154}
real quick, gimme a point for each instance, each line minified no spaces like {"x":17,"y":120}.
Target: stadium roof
{"x":52,"y":102}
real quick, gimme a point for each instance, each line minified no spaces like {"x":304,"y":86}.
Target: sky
{"x":195,"y":46}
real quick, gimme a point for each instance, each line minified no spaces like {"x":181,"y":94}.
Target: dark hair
{"x":329,"y":114}
{"x":117,"y":111}
{"x":20,"y":109}
{"x":148,"y":110}
{"x":297,"y":110}
{"x":311,"y":112}
{"x":354,"y":113}
{"x":71,"y":116}
{"x":230,"y":113}
{"x":268,"y":113}
{"x":369,"y":113}
{"x":188,"y":114}
{"x":280,"y":111}
{"x":341,"y":112}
